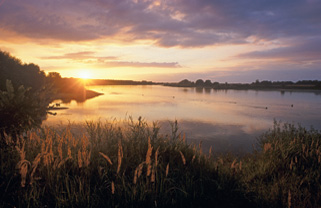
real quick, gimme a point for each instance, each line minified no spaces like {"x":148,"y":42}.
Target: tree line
{"x":303,"y":84}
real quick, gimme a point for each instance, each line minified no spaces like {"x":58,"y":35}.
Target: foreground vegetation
{"x":105,"y":164}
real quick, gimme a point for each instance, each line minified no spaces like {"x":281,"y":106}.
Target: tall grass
{"x":286,"y":171}
{"x":105,"y":164}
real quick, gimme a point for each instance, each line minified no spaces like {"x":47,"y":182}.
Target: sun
{"x":84,"y":74}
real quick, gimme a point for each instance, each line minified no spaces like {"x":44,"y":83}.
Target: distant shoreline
{"x":304,"y":85}
{"x":257,"y":89}
{"x":263,"y":86}
{"x":254,"y":89}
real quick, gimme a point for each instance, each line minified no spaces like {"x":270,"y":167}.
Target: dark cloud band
{"x":194,"y":23}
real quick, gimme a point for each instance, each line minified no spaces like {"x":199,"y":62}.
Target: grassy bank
{"x":103,"y":164}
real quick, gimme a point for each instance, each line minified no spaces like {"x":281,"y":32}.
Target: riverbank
{"x":135,"y":166}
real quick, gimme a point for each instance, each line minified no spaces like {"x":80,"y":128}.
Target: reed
{"x":132,"y":165}
{"x":62,"y":167}
{"x":286,"y":170}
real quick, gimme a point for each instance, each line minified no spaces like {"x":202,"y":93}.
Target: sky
{"x":167,"y":40}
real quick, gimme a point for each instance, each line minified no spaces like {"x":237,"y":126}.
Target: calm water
{"x":229,"y":120}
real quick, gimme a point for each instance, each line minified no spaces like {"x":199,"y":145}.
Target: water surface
{"x":229,"y":120}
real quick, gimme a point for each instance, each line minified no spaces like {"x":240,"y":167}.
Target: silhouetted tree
{"x":54,"y":76}
{"x":24,"y":95}
{"x":199,"y":83}
{"x":28,"y":75}
{"x":208,"y":83}
{"x":185,"y":83}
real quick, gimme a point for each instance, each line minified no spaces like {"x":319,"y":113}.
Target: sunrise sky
{"x":166,"y":40}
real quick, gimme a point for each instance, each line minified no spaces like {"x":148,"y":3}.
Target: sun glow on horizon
{"x":84,"y":74}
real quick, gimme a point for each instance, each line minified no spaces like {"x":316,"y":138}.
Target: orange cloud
{"x":142,"y":64}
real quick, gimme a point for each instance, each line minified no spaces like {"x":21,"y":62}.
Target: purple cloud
{"x":305,"y":51}
{"x":81,"y":56}
{"x":193,"y":23}
{"x":90,"y":57}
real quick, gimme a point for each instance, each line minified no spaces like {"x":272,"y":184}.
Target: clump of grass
{"x":286,"y":171}
{"x":107,"y":165}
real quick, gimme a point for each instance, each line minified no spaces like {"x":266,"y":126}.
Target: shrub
{"x":21,"y":109}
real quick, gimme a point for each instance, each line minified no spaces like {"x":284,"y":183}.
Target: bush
{"x":21,"y":109}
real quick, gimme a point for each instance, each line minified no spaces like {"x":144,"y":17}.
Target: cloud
{"x":305,"y":51}
{"x":273,"y":72}
{"x":81,"y":56}
{"x":90,"y":57}
{"x":280,"y":74}
{"x":194,"y":23}
{"x":142,"y":64}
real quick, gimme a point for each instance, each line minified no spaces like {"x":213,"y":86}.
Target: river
{"x":228,"y":120}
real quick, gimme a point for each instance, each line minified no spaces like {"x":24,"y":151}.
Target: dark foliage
{"x":28,"y":75}
{"x":24,"y":95}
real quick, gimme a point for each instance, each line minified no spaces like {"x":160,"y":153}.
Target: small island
{"x":67,"y":89}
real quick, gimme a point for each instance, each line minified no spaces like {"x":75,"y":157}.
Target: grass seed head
{"x":140,"y":169}
{"x":23,"y":170}
{"x":63,"y":162}
{"x":69,"y":152}
{"x":183,"y":158}
{"x":112,"y":187}
{"x":23,"y":173}
{"x":291,"y":164}
{"x":267,"y":147}
{"x":152,"y":178}
{"x":149,"y":152}
{"x":106,"y":158}
{"x":167,"y":169}
{"x":120,"y":156}
{"x":156,"y":156}
{"x":194,"y":156}
{"x":149,"y":167}
{"x":210,"y":152}
{"x":233,"y":165}
{"x":86,"y":157}
{"x":135,"y":175}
